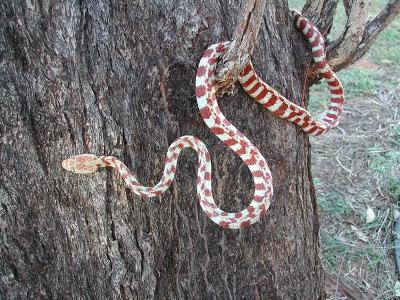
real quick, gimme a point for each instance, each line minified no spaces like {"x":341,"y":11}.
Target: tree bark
{"x":117,"y":78}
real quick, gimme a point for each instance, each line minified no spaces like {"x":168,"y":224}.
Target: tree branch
{"x":352,"y":33}
{"x":238,"y":54}
{"x":359,"y":34}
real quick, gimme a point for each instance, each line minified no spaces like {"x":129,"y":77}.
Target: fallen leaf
{"x":370,"y":215}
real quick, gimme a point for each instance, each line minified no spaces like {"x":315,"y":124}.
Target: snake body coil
{"x":232,"y":137}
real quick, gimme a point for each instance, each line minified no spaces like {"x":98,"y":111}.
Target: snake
{"x":219,"y":125}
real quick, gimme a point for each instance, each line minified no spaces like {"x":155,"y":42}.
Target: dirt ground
{"x":356,"y":170}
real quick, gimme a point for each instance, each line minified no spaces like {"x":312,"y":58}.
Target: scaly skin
{"x":283,"y":108}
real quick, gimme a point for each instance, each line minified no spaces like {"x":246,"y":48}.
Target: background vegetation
{"x":356,"y":167}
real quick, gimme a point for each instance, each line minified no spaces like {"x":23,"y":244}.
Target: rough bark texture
{"x":117,"y":78}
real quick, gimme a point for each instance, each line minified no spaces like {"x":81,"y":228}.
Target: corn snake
{"x":232,"y":137}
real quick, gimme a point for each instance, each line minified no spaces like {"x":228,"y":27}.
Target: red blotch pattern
{"x":221,"y":127}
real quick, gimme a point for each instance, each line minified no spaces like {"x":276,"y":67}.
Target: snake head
{"x":83,"y":163}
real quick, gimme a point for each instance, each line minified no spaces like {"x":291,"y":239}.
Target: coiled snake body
{"x":233,"y":138}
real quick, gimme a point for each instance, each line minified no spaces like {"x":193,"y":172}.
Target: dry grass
{"x":351,"y":167}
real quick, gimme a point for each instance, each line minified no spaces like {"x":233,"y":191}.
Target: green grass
{"x":385,"y":164}
{"x":386,"y":167}
{"x":334,"y":248}
{"x":357,"y":81}
{"x":340,"y":254}
{"x":341,"y":248}
{"x":333,"y":203}
{"x":361,"y":81}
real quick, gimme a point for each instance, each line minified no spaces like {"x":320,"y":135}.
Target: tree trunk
{"x":117,"y":78}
